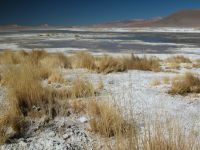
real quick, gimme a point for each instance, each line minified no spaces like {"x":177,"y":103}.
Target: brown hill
{"x":185,"y":18}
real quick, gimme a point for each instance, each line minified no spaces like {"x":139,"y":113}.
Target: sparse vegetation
{"x":166,"y":80}
{"x":155,"y":82}
{"x":83,"y":60}
{"x":106,"y":120}
{"x":56,"y":60}
{"x":81,"y":88}
{"x":8,"y":57}
{"x":107,"y":64}
{"x":28,"y":97}
{"x":187,"y":83}
{"x":149,"y":64}
{"x":197,"y":63}
{"x":169,"y":136}
{"x":56,"y":78}
{"x":178,"y":59}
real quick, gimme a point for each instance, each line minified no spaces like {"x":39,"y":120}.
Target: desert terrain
{"x":100,"y":88}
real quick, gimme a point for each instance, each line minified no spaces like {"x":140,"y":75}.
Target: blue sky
{"x":79,"y":12}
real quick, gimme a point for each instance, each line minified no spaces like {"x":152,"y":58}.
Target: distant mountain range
{"x":184,"y":18}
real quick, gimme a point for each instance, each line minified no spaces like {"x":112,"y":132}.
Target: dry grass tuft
{"x":56,"y":78}
{"x":11,"y":125}
{"x":106,"y":120}
{"x":149,"y":64}
{"x":175,"y":61}
{"x":100,"y":85}
{"x":107,"y":64}
{"x":166,"y":80}
{"x":169,"y":137}
{"x":77,"y":89}
{"x":81,"y":88}
{"x":56,"y":60}
{"x":178,"y":59}
{"x":188,"y":83}
{"x":8,"y":57}
{"x":155,"y":82}
{"x":78,"y":106}
{"x":24,"y":88}
{"x":174,"y":65}
{"x":197,"y":63}
{"x":83,"y":60}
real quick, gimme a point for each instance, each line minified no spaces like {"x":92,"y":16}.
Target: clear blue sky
{"x":75,"y":12}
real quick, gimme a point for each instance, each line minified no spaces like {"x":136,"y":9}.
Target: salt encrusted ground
{"x":132,"y":90}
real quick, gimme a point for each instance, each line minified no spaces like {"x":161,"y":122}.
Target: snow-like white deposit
{"x":142,"y":29}
{"x":12,"y":46}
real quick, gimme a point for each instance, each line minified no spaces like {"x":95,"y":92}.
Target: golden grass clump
{"x":106,"y":120}
{"x":56,"y":78}
{"x":169,"y":136}
{"x":166,"y":80}
{"x":78,"y":88}
{"x":56,"y":60}
{"x":78,"y":106}
{"x":24,"y":88}
{"x":100,"y":85}
{"x":175,"y":61}
{"x":197,"y":63}
{"x":107,"y":64}
{"x":178,"y":59}
{"x":83,"y":60}
{"x":11,"y":124}
{"x":81,"y":88}
{"x":9,"y":57}
{"x":155,"y":82}
{"x":188,"y":83}
{"x":149,"y":64}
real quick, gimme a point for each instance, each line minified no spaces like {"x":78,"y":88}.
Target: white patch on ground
{"x":65,"y":49}
{"x":150,"y":29}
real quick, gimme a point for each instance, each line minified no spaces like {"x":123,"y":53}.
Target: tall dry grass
{"x":187,"y":83}
{"x":35,"y":57}
{"x":11,"y":125}
{"x":144,"y":63}
{"x":83,"y":60}
{"x":25,"y":93}
{"x":8,"y":57}
{"x":107,"y":64}
{"x":106,"y":120}
{"x":56,"y":60}
{"x":24,"y":87}
{"x":174,"y":62}
{"x":56,"y":77}
{"x":178,"y":59}
{"x":169,"y":136}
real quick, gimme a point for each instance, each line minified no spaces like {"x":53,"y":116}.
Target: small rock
{"x":52,"y":134}
{"x":22,"y":144}
{"x":66,"y":136}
